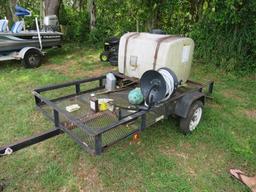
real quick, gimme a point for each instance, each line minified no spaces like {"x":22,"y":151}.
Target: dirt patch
{"x":72,"y":69}
{"x":88,"y":178}
{"x":3,"y":184}
{"x":174,"y":152}
{"x":95,"y":72}
{"x":252,"y":77}
{"x":214,"y":105}
{"x":182,"y":158}
{"x":64,"y":68}
{"x":187,"y":159}
{"x":229,"y":93}
{"x":250,"y":113}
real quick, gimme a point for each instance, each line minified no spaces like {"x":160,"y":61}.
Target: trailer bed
{"x":94,"y":132}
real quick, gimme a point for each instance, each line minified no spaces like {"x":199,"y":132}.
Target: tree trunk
{"x":154,"y":16}
{"x":8,"y":11}
{"x":42,"y":12}
{"x":12,"y":4}
{"x":82,"y":4}
{"x":92,"y":13}
{"x":75,"y":4}
{"x":157,"y":21}
{"x":52,"y":7}
{"x":137,"y":25}
{"x":195,"y":8}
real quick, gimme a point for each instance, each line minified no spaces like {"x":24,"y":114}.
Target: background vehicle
{"x":110,"y":53}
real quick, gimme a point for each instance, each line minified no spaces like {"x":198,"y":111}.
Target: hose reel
{"x":158,"y":86}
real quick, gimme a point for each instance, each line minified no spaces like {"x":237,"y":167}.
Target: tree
{"x":195,"y":8}
{"x":12,"y":4}
{"x":5,"y":9}
{"x":92,"y":13}
{"x":78,"y":4}
{"x":52,"y":7}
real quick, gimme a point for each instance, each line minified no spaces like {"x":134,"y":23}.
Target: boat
{"x":18,"y":37}
{"x":10,"y":42}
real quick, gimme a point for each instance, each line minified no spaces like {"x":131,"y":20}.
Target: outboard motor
{"x":51,"y":23}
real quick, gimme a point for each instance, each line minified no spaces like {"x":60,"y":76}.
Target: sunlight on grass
{"x":163,"y":160}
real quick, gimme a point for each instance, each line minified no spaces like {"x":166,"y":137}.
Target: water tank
{"x":140,"y":52}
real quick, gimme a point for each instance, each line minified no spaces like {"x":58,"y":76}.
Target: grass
{"x":163,"y":159}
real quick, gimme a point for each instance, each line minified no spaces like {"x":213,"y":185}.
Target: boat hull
{"x":10,"y":42}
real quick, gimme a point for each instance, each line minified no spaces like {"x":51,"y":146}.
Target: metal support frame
{"x":143,"y":122}
{"x":78,"y":89}
{"x":56,"y":118}
{"x":210,"y":87}
{"x":98,"y":144}
{"x":97,"y":133}
{"x":31,"y":140}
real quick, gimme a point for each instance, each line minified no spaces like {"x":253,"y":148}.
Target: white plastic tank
{"x":139,"y":52}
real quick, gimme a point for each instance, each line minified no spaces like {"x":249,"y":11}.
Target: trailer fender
{"x":23,"y":51}
{"x":183,"y":105}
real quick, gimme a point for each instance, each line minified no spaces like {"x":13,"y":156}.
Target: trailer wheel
{"x":104,"y":56}
{"x":32,"y":59}
{"x":189,"y":124}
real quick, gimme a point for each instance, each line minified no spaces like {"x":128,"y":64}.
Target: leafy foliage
{"x":163,"y":160}
{"x":75,"y":28}
{"x":224,"y":31}
{"x":226,"y":34}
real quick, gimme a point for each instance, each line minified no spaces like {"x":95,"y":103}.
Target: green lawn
{"x":163,"y":160}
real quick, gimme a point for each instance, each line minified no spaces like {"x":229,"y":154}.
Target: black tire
{"x":113,"y":60}
{"x":192,"y":118}
{"x":104,"y":57}
{"x":32,"y":59}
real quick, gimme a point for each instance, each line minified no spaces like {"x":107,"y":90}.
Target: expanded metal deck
{"x":93,"y":131}
{"x":94,"y":122}
{"x":96,"y":131}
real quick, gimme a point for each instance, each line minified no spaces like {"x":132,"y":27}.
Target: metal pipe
{"x":62,"y":85}
{"x":7,"y":24}
{"x":38,"y":33}
{"x":29,"y":141}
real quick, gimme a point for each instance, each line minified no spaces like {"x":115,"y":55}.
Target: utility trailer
{"x":95,"y":132}
{"x":151,"y":84}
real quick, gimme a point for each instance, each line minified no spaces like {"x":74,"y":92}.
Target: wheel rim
{"x":33,"y":59}
{"x":195,"y":119}
{"x":104,"y":58}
